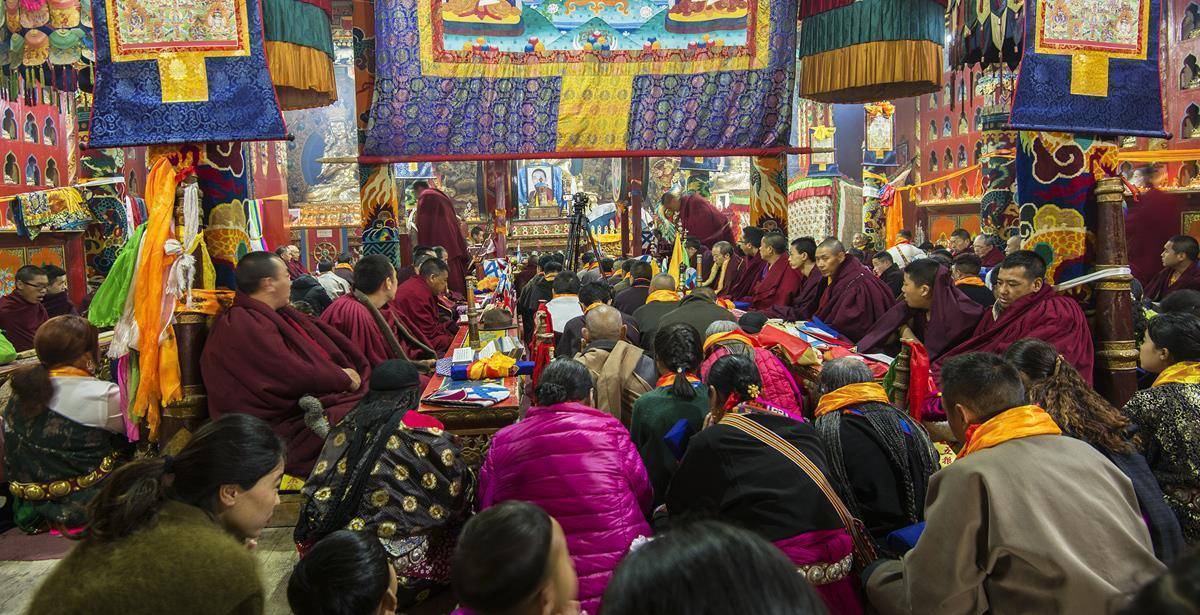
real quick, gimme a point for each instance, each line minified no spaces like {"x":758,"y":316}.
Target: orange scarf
{"x":1019,"y":422}
{"x":69,"y":371}
{"x":592,"y":307}
{"x":346,"y":266}
{"x":737,"y":335}
{"x":849,"y":395}
{"x":970,"y":281}
{"x":669,"y":379}
{"x":1185,"y":372}
{"x":668,"y":296}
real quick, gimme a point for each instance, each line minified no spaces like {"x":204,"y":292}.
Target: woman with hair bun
{"x":745,"y":468}
{"x":63,"y":428}
{"x":1168,"y":414}
{"x":173,"y":535}
{"x":579,"y":465}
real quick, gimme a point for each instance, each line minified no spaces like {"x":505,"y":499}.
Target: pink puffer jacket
{"x":580,"y":466}
{"x":779,"y":387}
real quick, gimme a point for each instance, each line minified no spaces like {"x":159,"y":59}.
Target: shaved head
{"x":662,"y":281}
{"x":603,"y":323}
{"x":833,"y":245}
{"x":830,"y":256}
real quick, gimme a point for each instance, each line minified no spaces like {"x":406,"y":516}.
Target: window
{"x":978,"y":120}
{"x":963,"y":189}
{"x":978,"y":151}
{"x":49,"y":132}
{"x":1188,"y":174}
{"x":962,"y":156}
{"x":932,"y":102}
{"x":948,"y":160}
{"x":1189,"y":75}
{"x":1189,"y":28}
{"x":31,"y":129}
{"x":1191,"y":122}
{"x":12,"y":175}
{"x":946,"y":127}
{"x":932,"y":130}
{"x":933,"y":161}
{"x":963,"y":126}
{"x":10,"y":125}
{"x":33,"y":175}
{"x":51,"y":173}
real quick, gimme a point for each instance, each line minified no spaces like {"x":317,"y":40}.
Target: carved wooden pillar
{"x":1116,"y":351}
{"x":631,"y":223}
{"x":499,"y":201}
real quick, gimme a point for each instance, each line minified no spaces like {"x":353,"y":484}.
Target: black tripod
{"x":579,"y":205}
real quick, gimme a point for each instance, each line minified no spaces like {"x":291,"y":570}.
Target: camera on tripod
{"x":579,"y":205}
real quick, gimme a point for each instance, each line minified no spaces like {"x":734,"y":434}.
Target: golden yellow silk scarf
{"x":970,"y":281}
{"x":1185,"y":372}
{"x":663,"y":295}
{"x":860,"y":392}
{"x":1019,"y":422}
{"x":728,"y":336}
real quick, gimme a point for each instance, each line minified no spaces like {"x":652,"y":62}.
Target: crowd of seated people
{"x":645,"y":477}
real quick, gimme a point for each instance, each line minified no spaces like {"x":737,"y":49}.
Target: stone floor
{"x":276,"y":556}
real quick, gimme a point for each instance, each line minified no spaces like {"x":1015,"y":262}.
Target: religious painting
{"x":823,"y":163}
{"x":1190,"y":223}
{"x":162,"y":65}
{"x":461,"y":79}
{"x":1090,"y":67}
{"x":879,"y":144}
{"x":326,"y":132}
{"x":540,"y":186}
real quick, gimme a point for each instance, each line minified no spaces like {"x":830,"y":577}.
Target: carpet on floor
{"x":17,"y":546}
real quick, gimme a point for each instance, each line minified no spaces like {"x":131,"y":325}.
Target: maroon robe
{"x":804,"y":302}
{"x":261,"y":361}
{"x":353,"y":319}
{"x":437,"y":225}
{"x":1044,"y":315}
{"x":416,"y":305}
{"x":993,"y":258}
{"x":778,"y":287}
{"x":729,"y":277}
{"x":295,"y":269}
{"x":854,"y":300}
{"x":703,"y":222}
{"x":752,"y":271}
{"x":20,"y":320}
{"x":59,"y":304}
{"x":950,"y":320}
{"x":1145,"y":232}
{"x":1160,"y":285}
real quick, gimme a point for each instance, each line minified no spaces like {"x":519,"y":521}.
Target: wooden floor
{"x":276,"y":556}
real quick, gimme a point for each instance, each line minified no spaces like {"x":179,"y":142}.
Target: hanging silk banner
{"x":998,"y":207}
{"x":471,"y":79}
{"x":768,"y":190}
{"x":701,"y":163}
{"x":179,"y":71}
{"x":822,"y":163}
{"x":1090,"y":67}
{"x":415,"y":170}
{"x":879,"y":144}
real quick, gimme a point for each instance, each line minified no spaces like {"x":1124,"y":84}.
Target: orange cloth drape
{"x":1019,"y":422}
{"x":851,"y":394}
{"x":158,"y":360}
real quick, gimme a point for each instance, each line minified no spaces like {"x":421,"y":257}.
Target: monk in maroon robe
{"x":364,"y":316}
{"x":699,"y":218}
{"x":1179,"y":271}
{"x":1145,"y":230}
{"x":1026,"y":306}
{"x":781,"y":283}
{"x":262,"y":356}
{"x":417,"y":306}
{"x":802,"y":257}
{"x":437,"y":225}
{"x":22,"y":312}
{"x":725,"y":269}
{"x":291,"y":258}
{"x":986,"y":250}
{"x":753,"y":265}
{"x":935,"y":312}
{"x":850,"y":297}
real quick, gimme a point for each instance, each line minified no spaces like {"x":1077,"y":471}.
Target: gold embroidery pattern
{"x":409,"y":504}
{"x":401,"y":473}
{"x":420,"y":448}
{"x":455,"y":487}
{"x":320,"y":467}
{"x":447,"y":458}
{"x":437,"y":512}
{"x":393,"y":443}
{"x":339,"y":439}
{"x":379,"y":498}
{"x":341,"y":467}
{"x":429,"y":481}
{"x":387,"y":529}
{"x":323,"y":494}
{"x":356,"y":524}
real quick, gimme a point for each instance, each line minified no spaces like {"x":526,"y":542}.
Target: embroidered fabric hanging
{"x":47,"y":45}
{"x":254,"y":226}
{"x":59,"y":209}
{"x":299,"y":46}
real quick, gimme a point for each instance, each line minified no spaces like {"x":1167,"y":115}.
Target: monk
{"x":932,"y":311}
{"x":663,"y":299}
{"x":365,"y":317}
{"x":959,"y":242}
{"x":437,"y":225}
{"x":1145,"y":231}
{"x":726,"y":266}
{"x":291,"y":257}
{"x":802,"y":257}
{"x":417,"y":305}
{"x":965,"y":272}
{"x":985,"y":248}
{"x":781,"y":283}
{"x":850,"y":297}
{"x":904,"y":252}
{"x":56,"y":301}
{"x":886,"y":268}
{"x":1026,"y":306}
{"x":699,"y":218}
{"x":634,"y":297}
{"x":262,"y":356}
{"x":21,"y":311}
{"x":1179,"y":270}
{"x":1026,"y":520}
{"x":753,"y":265}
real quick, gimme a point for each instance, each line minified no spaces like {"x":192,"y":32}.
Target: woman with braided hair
{"x":880,"y":460}
{"x":754,"y":466}
{"x":1084,"y":414}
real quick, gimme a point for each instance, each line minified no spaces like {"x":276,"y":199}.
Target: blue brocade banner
{"x":1090,"y":68}
{"x":472,"y":79}
{"x":179,"y":71}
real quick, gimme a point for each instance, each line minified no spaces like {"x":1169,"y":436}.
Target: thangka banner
{"x":471,"y":79}
{"x":879,"y":143}
{"x":823,"y":164}
{"x":178,"y":71}
{"x":1090,"y":66}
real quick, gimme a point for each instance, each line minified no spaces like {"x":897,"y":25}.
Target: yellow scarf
{"x":969,"y":281}
{"x":669,"y":296}
{"x":1019,"y":422}
{"x":556,"y":296}
{"x":728,"y":336}
{"x":1185,"y":372}
{"x":69,"y":371}
{"x":851,"y":394}
{"x":592,"y":307}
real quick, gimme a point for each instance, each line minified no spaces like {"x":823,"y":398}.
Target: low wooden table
{"x":475,"y":426}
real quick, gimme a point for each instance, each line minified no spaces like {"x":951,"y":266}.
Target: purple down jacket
{"x":580,"y":466}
